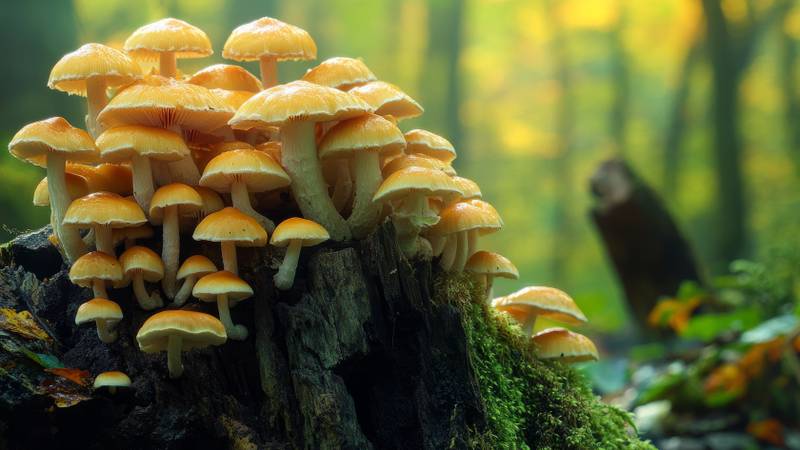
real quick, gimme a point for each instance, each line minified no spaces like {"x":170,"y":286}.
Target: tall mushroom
{"x":102,"y":212}
{"x":95,"y":270}
{"x":295,"y":107}
{"x":489,"y":265}
{"x":193,"y":268}
{"x":231,"y":228}
{"x":294,"y":234}
{"x":176,"y":331}
{"x":168,"y":40}
{"x":140,"y":265}
{"x":226,"y":289}
{"x":89,"y":71}
{"x":362,"y":140}
{"x":167,"y":205}
{"x":51,"y":143}
{"x":526,"y":304}
{"x":268,"y":41}
{"x":104,"y":313}
{"x":340,"y":73}
{"x":564,"y":345}
{"x":139,"y":145}
{"x":242,"y":172}
{"x":76,"y":187}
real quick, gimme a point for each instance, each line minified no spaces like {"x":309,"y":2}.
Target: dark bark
{"x":649,"y":253}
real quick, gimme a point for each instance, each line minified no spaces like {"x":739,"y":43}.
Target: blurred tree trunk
{"x":618,"y":119}
{"x":562,"y":170}
{"x":788,"y":68}
{"x":442,"y":88}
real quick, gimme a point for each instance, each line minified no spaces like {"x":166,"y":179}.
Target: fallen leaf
{"x":63,"y":392}
{"x":22,"y":324}
{"x":77,"y":376}
{"x":768,"y":430}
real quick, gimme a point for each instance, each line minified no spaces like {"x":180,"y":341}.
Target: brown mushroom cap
{"x":196,"y":265}
{"x":227,"y":77}
{"x":169,"y":35}
{"x":269,"y":37}
{"x":116,"y":178}
{"x":417,"y":160}
{"x":256,"y":169}
{"x":430,"y":144}
{"x":222,"y":283}
{"x":387,"y":99}
{"x":76,"y":186}
{"x":231,"y":225}
{"x":272,"y":148}
{"x":142,"y":259}
{"x":98,"y":309}
{"x":184,"y":197}
{"x":541,"y":301}
{"x":95,"y":266}
{"x":369,"y":133}
{"x":308,"y":232}
{"x":416,"y":180}
{"x":565,"y":345}
{"x":196,"y":330}
{"x":490,"y":263}
{"x":35,"y":141}
{"x":104,"y":208}
{"x":111,"y":379}
{"x":340,"y":73}
{"x":123,"y":142}
{"x":92,"y":60}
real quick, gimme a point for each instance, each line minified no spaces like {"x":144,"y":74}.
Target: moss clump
{"x":529,"y":403}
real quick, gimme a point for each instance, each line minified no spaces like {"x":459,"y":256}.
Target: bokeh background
{"x":700,"y":97}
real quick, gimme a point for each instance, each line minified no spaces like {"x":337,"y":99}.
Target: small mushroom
{"x":463,"y":222}
{"x":102,"y":212}
{"x":487,"y":266}
{"x":526,"y":304}
{"x":94,"y":270}
{"x":294,"y":234}
{"x":193,"y":268}
{"x":168,"y":39}
{"x":564,"y":345}
{"x":140,"y":264}
{"x":212,"y":203}
{"x":227,"y":290}
{"x":387,"y":99}
{"x":176,"y":331}
{"x":104,"y":313}
{"x":340,"y":73}
{"x":230,"y":227}
{"x":112,"y":380}
{"x":422,"y":142}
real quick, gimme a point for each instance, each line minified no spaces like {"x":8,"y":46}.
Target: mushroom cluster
{"x":218,"y":155}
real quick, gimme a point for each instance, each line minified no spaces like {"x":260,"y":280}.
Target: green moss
{"x":529,"y":403}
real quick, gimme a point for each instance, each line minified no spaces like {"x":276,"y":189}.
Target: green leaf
{"x":706,"y":327}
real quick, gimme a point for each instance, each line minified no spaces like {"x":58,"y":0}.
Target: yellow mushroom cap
{"x":490,"y":263}
{"x":35,"y":141}
{"x":416,"y":180}
{"x":565,"y":345}
{"x":95,"y":266}
{"x":212,"y":202}
{"x":272,"y":148}
{"x":340,"y":73}
{"x":196,"y":330}
{"x":296,"y":228}
{"x":111,"y":379}
{"x":196,"y":265}
{"x":104,"y":208}
{"x":169,"y":35}
{"x":269,"y":37}
{"x":298,"y":100}
{"x":116,"y":178}
{"x":423,"y":161}
{"x":123,"y":142}
{"x":142,"y":259}
{"x":76,"y":186}
{"x":232,"y":99}
{"x":231,"y":225}
{"x":256,"y":169}
{"x":221,"y":283}
{"x":184,"y":197}
{"x":89,"y":61}
{"x":470,"y":189}
{"x":541,"y":301}
{"x":463,"y":216}
{"x":226,"y":76}
{"x":98,"y":309}
{"x":163,"y":102}
{"x":387,"y":99}
{"x":369,"y":132}
{"x":430,"y":144}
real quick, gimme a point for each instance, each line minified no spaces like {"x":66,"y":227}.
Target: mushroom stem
{"x":184,"y":171}
{"x":103,"y":239}
{"x":99,"y":288}
{"x":96,"y":100}
{"x":343,"y":189}
{"x":142,"y":181}
{"x":185,"y":291}
{"x":69,"y":237}
{"x":284,"y":279}
{"x":437,"y":244}
{"x":461,"y":252}
{"x":170,"y":249}
{"x":488,"y":282}
{"x":146,"y":301}
{"x":236,"y":332}
{"x":449,"y":253}
{"x":472,"y":242}
{"x":269,"y":71}
{"x":407,"y":234}
{"x":174,"y":363}
{"x":167,"y":65}
{"x":229,"y":262}
{"x":527,"y":326}
{"x":106,"y":331}
{"x":161,"y":174}
{"x":367,"y":172}
{"x":241,"y":201}
{"x":299,"y":157}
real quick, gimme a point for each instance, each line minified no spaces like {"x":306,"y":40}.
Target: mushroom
{"x":193,"y":268}
{"x":425,"y":162}
{"x":242,"y":172}
{"x":226,"y":289}
{"x":422,"y":142}
{"x":362,"y":140}
{"x":104,"y":313}
{"x":462,"y":222}
{"x":51,"y":143}
{"x":140,"y":145}
{"x":165,"y":209}
{"x":212,"y":203}
{"x":227,"y":77}
{"x":116,"y":178}
{"x":294,"y":233}
{"x":387,"y":99}
{"x":488,"y":265}
{"x":176,"y":331}
{"x":564,"y":345}
{"x":268,"y":41}
{"x":103,"y":211}
{"x":112,"y":380}
{"x":168,"y":39}
{"x":340,"y":73}
{"x":129,"y":235}
{"x":295,"y":107}
{"x":94,"y":270}
{"x":230,"y":227}
{"x":141,"y":264}
{"x":526,"y":304}
{"x":89,"y":71}
{"x":76,"y":186}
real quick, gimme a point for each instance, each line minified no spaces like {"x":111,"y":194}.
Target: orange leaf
{"x":77,"y":376}
{"x":728,"y":379}
{"x":768,"y":430}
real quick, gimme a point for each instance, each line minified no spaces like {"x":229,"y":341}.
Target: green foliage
{"x":529,"y":403}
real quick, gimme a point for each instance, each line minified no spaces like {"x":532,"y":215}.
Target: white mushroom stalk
{"x":106,"y":330}
{"x":284,"y":279}
{"x":142,"y":181}
{"x":343,"y":189}
{"x":185,"y":291}
{"x":268,"y":66}
{"x":170,"y":250}
{"x":69,"y":237}
{"x":240,"y":197}
{"x":410,"y":216}
{"x":237,"y":332}
{"x":366,"y":213}
{"x":462,"y":248}
{"x":229,"y":261}
{"x":449,"y":252}
{"x":146,"y":300}
{"x":174,"y":362}
{"x":96,"y":100}
{"x":104,"y":240}
{"x":183,"y":170}
{"x":99,"y":288}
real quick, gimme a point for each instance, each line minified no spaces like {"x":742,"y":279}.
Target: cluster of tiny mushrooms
{"x":170,"y":150}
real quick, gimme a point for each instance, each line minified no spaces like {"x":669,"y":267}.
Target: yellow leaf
{"x":22,"y":323}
